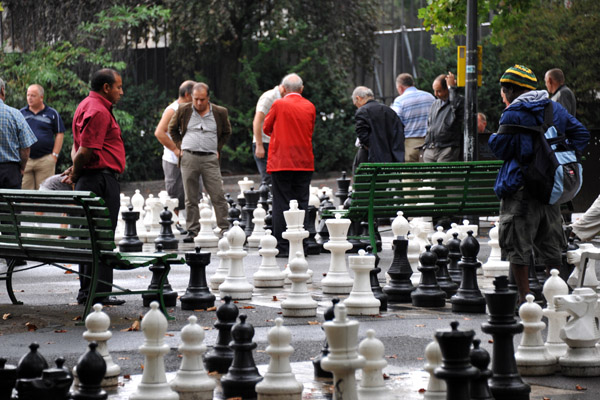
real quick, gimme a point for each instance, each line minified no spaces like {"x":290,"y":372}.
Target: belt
{"x":200,"y":153}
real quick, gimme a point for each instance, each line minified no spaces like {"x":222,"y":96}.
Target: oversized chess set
{"x":424,"y":271}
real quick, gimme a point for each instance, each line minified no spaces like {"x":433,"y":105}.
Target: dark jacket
{"x":445,"y":122}
{"x":180,"y":120}
{"x":379,"y":129}
{"x":528,"y":110}
{"x":566,"y":98}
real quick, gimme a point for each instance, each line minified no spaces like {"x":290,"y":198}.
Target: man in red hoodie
{"x":290,"y":124}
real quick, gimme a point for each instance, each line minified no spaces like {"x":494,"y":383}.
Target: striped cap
{"x":521,"y":76}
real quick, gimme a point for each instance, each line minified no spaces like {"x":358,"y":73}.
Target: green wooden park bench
{"x":87,"y":238}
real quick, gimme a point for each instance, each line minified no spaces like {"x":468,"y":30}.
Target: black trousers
{"x":10,"y":175}
{"x":106,"y":186}
{"x":288,"y":185}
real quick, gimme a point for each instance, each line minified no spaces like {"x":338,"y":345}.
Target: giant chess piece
{"x":361,"y":300}
{"x":192,"y":382}
{"x":220,"y":357}
{"x":400,"y":287}
{"x":130,"y":242}
{"x":372,"y":385}
{"x":456,"y":368}
{"x":494,"y":265}
{"x":263,"y":196}
{"x":54,"y":384}
{"x":583,"y":263}
{"x":428,"y":293}
{"x":258,"y":231}
{"x":206,"y":238}
{"x":236,"y":285}
{"x":413,"y":252}
{"x":581,"y":333}
{"x":294,"y":233}
{"x":338,"y":280}
{"x":233,"y":214}
{"x":533,"y":359}
{"x":166,"y":238}
{"x":268,"y":274}
{"x":506,"y":383}
{"x":454,"y":257}
{"x":534,"y":284}
{"x":242,"y":376}
{"x":553,"y":287}
{"x":322,"y":227}
{"x":169,"y":295}
{"x":319,"y":371}
{"x":154,"y":379}
{"x":480,"y":359}
{"x":343,"y":184}
{"x":137,"y":201}
{"x":343,"y":359}
{"x":8,"y":379}
{"x":91,"y":368}
{"x":443,"y":278}
{"x":224,"y":264}
{"x":374,"y":278}
{"x":31,"y":364}
{"x":468,"y":299}
{"x":197,"y":296}
{"x":251,"y":197}
{"x":436,"y":388}
{"x":566,"y":268}
{"x":279,"y":382}
{"x":97,"y":324}
{"x":312,"y":247}
{"x":299,"y":302}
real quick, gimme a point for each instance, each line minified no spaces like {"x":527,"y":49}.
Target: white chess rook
{"x":361,"y":300}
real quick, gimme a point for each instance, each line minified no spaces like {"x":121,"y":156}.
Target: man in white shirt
{"x":260,"y":141}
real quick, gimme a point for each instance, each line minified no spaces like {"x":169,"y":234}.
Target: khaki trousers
{"x":37,"y":170}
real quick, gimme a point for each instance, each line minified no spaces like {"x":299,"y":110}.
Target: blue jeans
{"x":261,"y":164}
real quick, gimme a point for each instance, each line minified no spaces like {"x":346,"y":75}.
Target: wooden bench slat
{"x":52,"y":243}
{"x":55,"y":219}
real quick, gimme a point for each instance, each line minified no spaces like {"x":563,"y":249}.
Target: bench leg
{"x":11,"y":262}
{"x":161,"y":286}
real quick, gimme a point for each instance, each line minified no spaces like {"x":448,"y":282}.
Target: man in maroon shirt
{"x":99,"y":159}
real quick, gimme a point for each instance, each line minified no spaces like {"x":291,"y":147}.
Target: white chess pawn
{"x":343,"y":359}
{"x":279,"y":383}
{"x":163,"y":196}
{"x":120,"y":228}
{"x":555,"y":286}
{"x":157,"y":208}
{"x":206,"y":237}
{"x":299,"y":302}
{"x":154,"y":379}
{"x":439,"y":234}
{"x":192,"y":382}
{"x":97,"y":324}
{"x":453,"y":229}
{"x":235,"y":284}
{"x":413,"y":254}
{"x":361,"y":300}
{"x":466,"y":227}
{"x":258,"y":220}
{"x":268,"y":274}
{"x":224,"y":264}
{"x":533,"y":359}
{"x":137,"y":201}
{"x":372,"y":385}
{"x":436,"y":388}
{"x":148,"y":218}
{"x":400,"y":225}
{"x":337,"y":281}
{"x":494,"y":265}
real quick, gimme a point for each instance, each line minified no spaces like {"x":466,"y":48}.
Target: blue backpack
{"x":554,"y":174}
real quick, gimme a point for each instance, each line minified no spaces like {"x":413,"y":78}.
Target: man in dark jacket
{"x":378,"y":129}
{"x":444,"y":138}
{"x":527,"y":226}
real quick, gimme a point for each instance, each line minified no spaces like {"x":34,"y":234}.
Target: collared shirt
{"x":44,"y":124}
{"x":15,"y":134}
{"x":201,"y":134}
{"x":413,"y":109}
{"x":95,"y":127}
{"x":264,"y":104}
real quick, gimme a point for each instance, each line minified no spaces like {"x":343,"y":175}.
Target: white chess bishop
{"x":235,"y":284}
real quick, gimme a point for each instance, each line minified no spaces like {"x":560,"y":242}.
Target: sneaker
{"x":180,"y":228}
{"x":189,"y":238}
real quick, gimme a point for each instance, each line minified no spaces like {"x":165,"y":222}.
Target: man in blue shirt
{"x":48,"y":127}
{"x":15,"y":140}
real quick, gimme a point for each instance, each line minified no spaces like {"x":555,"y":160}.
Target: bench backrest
{"x":425,"y":189}
{"x":26,"y":233}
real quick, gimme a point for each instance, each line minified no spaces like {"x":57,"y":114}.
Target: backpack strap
{"x":548,"y":122}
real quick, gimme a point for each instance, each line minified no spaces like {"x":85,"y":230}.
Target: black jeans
{"x":10,"y":175}
{"x":106,"y":186}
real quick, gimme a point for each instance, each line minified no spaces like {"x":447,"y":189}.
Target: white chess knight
{"x":279,"y":382}
{"x":258,"y":232}
{"x":337,"y":281}
{"x":372,"y":385}
{"x":555,"y":286}
{"x":361,"y":300}
{"x":532,"y":357}
{"x":436,"y":388}
{"x":192,"y":382}
{"x":224,"y":264}
{"x":580,"y":333}
{"x":235,"y":284}
{"x":268,"y":274}
{"x":494,"y":266}
{"x":589,"y":252}
{"x":299,"y":302}
{"x":206,"y":237}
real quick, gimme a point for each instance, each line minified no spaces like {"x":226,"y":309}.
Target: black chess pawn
{"x":469,"y":299}
{"x":248,"y":210}
{"x":343,"y":184}
{"x":310,"y":244}
{"x":505,"y":383}
{"x":263,"y":195}
{"x":400,"y":286}
{"x":220,"y":357}
{"x":269,"y":220}
{"x":443,"y":278}
{"x":480,"y":359}
{"x":169,"y":296}
{"x":8,"y":379}
{"x":31,"y":364}
{"x":229,"y":199}
{"x":130,"y":242}
{"x":375,"y":286}
{"x":233,"y":214}
{"x":320,"y":372}
{"x":242,"y":376}
{"x":197,"y":296}
{"x":166,"y":238}
{"x":428,"y":293}
{"x":454,"y":256}
{"x":456,"y":368}
{"x":91,"y":368}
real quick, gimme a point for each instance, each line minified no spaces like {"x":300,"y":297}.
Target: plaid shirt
{"x":15,"y":134}
{"x":413,"y":109}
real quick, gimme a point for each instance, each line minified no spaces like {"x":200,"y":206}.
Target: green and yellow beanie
{"x":521,"y":76}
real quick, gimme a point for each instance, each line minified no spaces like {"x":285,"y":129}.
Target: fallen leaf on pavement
{"x":211,"y":309}
{"x":67,"y":272}
{"x":6,"y":316}
{"x":134,"y":327}
{"x":392,"y":356}
{"x":169,"y":334}
{"x":420,"y":325}
{"x":248,"y":308}
{"x":31,"y":327}
{"x":580,"y":387}
{"x":77,"y":318}
{"x":422,"y":390}
{"x":60,"y":331}
{"x":314,"y":323}
{"x":275,"y":298}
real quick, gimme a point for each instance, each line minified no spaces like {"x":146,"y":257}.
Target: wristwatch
{"x":55,"y":155}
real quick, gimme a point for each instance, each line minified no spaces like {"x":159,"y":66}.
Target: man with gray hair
{"x":290,"y":124}
{"x":378,"y":130}
{"x":555,"y":83}
{"x":16,"y":139}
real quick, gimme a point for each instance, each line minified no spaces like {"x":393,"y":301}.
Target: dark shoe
{"x":189,"y":238}
{"x":180,"y":229}
{"x":110,"y":301}
{"x":283,"y":254}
